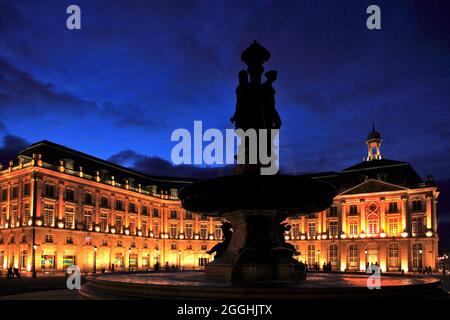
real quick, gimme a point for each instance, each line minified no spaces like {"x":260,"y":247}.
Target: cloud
{"x":157,"y":166}
{"x":20,"y":92}
{"x":2,"y":126}
{"x":11,"y":146}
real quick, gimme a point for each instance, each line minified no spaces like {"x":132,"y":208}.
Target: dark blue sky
{"x":137,"y":70}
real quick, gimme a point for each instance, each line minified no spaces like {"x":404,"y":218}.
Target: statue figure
{"x":220,"y":248}
{"x":283,"y":228}
{"x":241,"y":115}
{"x":271,"y":118}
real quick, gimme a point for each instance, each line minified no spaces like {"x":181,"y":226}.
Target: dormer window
{"x":69,"y":164}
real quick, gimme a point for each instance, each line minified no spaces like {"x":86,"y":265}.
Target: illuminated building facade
{"x":63,"y":207}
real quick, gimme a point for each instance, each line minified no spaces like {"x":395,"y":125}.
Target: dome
{"x":373,"y":135}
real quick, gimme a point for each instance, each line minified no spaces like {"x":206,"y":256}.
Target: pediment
{"x":372,"y":186}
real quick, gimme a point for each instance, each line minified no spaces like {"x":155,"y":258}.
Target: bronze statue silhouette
{"x":271,"y":117}
{"x":241,"y":115}
{"x":220,"y":248}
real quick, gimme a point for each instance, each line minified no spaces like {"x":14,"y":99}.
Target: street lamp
{"x":420,"y":260}
{"x":129,"y":259}
{"x":33,"y":262}
{"x":95,"y":259}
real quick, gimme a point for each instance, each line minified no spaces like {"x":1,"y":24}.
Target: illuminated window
{"x":202,"y":262}
{"x":417,"y":225}
{"x":119,"y":221}
{"x":312,"y":229}
{"x":156,"y":228}
{"x":145,"y":245}
{"x":104,"y":242}
{"x":311,"y":255}
{"x":26,"y":213}
{"x":69,"y":218}
{"x":15,"y":214}
{"x":372,"y":224}
{"x":189,"y":215}
{"x":353,"y":255}
{"x":353,"y":226}
{"x":295,"y":231}
{"x":48,"y":238}
{"x":4,"y":216}
{"x":417,"y":255}
{"x":103,"y":222}
{"x":133,"y":244}
{"x":334,"y":255}
{"x":49,"y":215}
{"x":188,"y":230}
{"x":203,"y":231}
{"x":155,"y":213}
{"x":393,"y":256}
{"x":173,"y":230}
{"x":88,"y":220}
{"x":353,"y":209}
{"x":173,"y":246}
{"x":23,"y":259}
{"x":132,"y":227}
{"x":119,"y":243}
{"x":88,"y":241}
{"x":217,"y":232}
{"x":393,"y":227}
{"x":144,"y":227}
{"x":333,"y":228}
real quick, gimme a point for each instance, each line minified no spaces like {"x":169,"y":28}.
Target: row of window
{"x":416,"y":205}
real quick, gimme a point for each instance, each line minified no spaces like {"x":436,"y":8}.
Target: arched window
{"x":11,"y":240}
{"x":393,"y":256}
{"x":23,"y":239}
{"x":353,"y":255}
{"x":373,"y":223}
{"x":69,"y":240}
{"x":334,"y":255}
{"x":417,"y":255}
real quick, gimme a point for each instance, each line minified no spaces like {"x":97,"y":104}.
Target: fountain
{"x":254,"y":261}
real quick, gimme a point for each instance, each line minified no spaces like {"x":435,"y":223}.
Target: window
{"x":14,"y":192}
{"x":4,"y":195}
{"x":188,"y":230}
{"x":26,"y":213}
{"x":155,"y":213}
{"x":173,"y":246}
{"x":4,"y":217}
{"x":69,"y":240}
{"x":23,"y":259}
{"x":88,"y":220}
{"x":144,"y":210}
{"x":133,"y":244}
{"x":417,"y":225}
{"x":372,"y":224}
{"x":12,"y":240}
{"x":353,"y":209}
{"x":104,"y":242}
{"x":334,"y":255}
{"x":202,"y":262}
{"x":88,"y":241}
{"x":87,"y":198}
{"x":417,"y":205}
{"x":132,"y":207}
{"x":189,"y":247}
{"x":173,"y":214}
{"x":156,"y":228}
{"x":119,"y":221}
{"x":393,"y":257}
{"x":393,"y":207}
{"x":311,"y":255}
{"x":15,"y":215}
{"x":333,"y":228}
{"x":393,"y":227}
{"x":26,"y":189}
{"x":333,"y":211}
{"x":417,"y":255}
{"x":48,"y":238}
{"x":119,"y":205}
{"x":203,"y":231}
{"x":132,"y":227}
{"x":104,"y":202}
{"x":104,"y":222}
{"x":353,"y":225}
{"x":70,"y":195}
{"x":173,"y":230}
{"x":311,"y":229}
{"x":144,"y":227}
{"x":353,"y":255}
{"x":69,"y":218}
{"x":295,"y":232}
{"x":49,"y":213}
{"x":49,"y":190}
{"x":189,"y":215}
{"x":204,"y":247}
{"x":23,"y":239}
{"x":217,"y":232}
{"x":119,"y":243}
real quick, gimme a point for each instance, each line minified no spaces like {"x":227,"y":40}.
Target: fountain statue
{"x":256,"y":205}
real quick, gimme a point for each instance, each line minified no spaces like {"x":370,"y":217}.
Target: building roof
{"x":53,"y":153}
{"x":391,"y":171}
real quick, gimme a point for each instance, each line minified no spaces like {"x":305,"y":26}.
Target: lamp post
{"x":318,"y":260}
{"x":129,"y":259}
{"x":95,"y":259}
{"x":420,"y":258}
